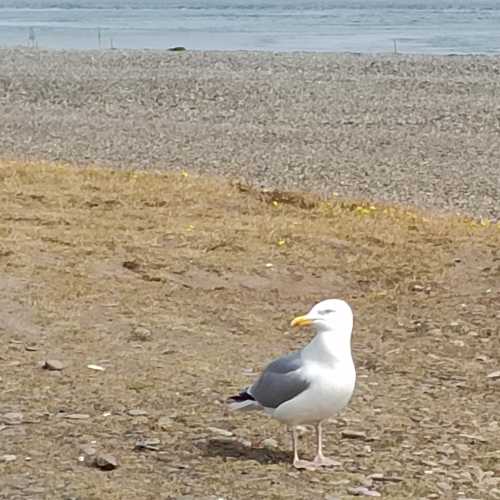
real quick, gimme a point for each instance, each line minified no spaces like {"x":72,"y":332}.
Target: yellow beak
{"x":301,"y":321}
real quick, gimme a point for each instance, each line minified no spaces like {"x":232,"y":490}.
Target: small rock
{"x":353,"y":434}
{"x":96,"y":368}
{"x":137,"y":413}
{"x":53,"y":365}
{"x":12,"y":418}
{"x":474,"y":437}
{"x":77,"y":416}
{"x":148,"y":444}
{"x":444,"y":486}
{"x":494,"y":375}
{"x":301,"y":430}
{"x":165,"y":423}
{"x":363,"y":491}
{"x":87,"y":449}
{"x":106,"y":462}
{"x":381,"y":477}
{"x":270,"y":444}
{"x":140,"y":421}
{"x":245,"y":442}
{"x":339,"y":482}
{"x":418,"y":288}
{"x":222,"y":440}
{"x":8,"y":458}
{"x":220,"y":432}
{"x":30,"y":348}
{"x":141,"y":334}
{"x":87,"y":455}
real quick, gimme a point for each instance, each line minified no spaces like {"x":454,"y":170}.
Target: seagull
{"x":310,"y":385}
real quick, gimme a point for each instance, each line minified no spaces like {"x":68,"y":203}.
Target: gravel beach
{"x":416,"y":130}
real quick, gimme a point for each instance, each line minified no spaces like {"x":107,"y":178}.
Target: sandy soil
{"x":182,"y":288}
{"x":410,"y":129}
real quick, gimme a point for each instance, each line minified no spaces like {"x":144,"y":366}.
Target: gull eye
{"x":326,"y":311}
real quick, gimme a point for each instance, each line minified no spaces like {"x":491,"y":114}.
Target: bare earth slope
{"x":413,"y":129}
{"x":182,"y":288}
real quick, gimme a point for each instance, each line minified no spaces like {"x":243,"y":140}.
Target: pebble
{"x":363,"y":491}
{"x":220,"y":432}
{"x":8,"y":458}
{"x":302,"y":430}
{"x":12,"y":418}
{"x":474,"y":437}
{"x":104,"y":461}
{"x":141,"y":334}
{"x":96,"y":368}
{"x":77,"y":416}
{"x":222,"y":439}
{"x":494,"y":375}
{"x":270,"y":443}
{"x":87,"y":449}
{"x":148,"y":444}
{"x":53,"y":365}
{"x":353,"y":434}
{"x":87,"y":455}
{"x":137,"y":413}
{"x":381,"y":477}
{"x":165,"y":423}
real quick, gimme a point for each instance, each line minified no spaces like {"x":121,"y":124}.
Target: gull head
{"x":333,"y":315}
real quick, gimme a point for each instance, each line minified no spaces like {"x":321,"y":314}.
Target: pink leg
{"x":320,"y":460}
{"x":299,"y":464}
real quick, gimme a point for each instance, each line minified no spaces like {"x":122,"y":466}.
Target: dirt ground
{"x":182,"y":288}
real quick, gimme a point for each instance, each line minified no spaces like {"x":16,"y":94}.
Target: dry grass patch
{"x":181,"y":285}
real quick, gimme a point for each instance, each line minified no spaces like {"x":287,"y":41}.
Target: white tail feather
{"x":244,"y":405}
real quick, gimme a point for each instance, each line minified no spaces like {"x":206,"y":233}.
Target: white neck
{"x":330,"y":346}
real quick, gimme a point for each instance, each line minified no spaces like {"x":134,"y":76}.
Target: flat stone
{"x":77,"y":416}
{"x":8,"y":458}
{"x":474,"y":437}
{"x":53,"y":365}
{"x":137,"y":413}
{"x":349,"y":434}
{"x":363,"y":491}
{"x":383,"y":478}
{"x":221,"y":439}
{"x":494,"y":375}
{"x":96,"y":368}
{"x":148,"y":444}
{"x":220,"y":432}
{"x":104,"y":461}
{"x":12,"y":418}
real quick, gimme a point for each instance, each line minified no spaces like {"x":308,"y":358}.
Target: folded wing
{"x":281,"y":381}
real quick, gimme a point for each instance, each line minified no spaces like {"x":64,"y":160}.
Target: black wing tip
{"x":242,"y":396}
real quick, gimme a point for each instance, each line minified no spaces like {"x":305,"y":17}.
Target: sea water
{"x":369,"y":26}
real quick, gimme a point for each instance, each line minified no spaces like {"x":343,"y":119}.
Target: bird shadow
{"x":236,"y":449}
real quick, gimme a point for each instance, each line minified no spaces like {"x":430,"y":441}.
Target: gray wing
{"x":281,"y":381}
